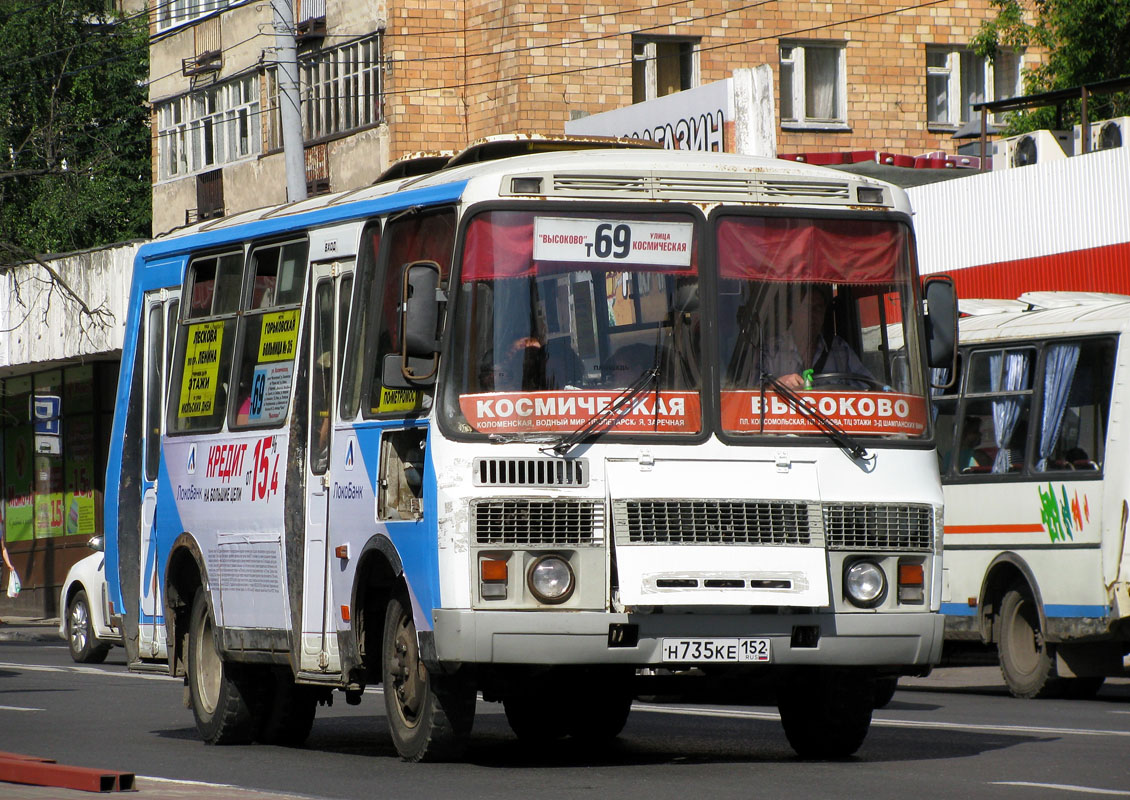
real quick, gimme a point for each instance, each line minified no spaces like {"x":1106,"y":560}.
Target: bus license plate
{"x":715,"y":650}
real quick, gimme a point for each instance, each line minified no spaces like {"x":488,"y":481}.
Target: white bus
{"x":523,"y":426}
{"x":1034,"y":461}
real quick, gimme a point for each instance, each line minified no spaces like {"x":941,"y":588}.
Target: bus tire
{"x":429,"y":717}
{"x":1027,"y":662}
{"x":288,"y":710}
{"x":885,"y":688}
{"x":602,"y":706}
{"x":85,"y":649}
{"x":826,"y":713}
{"x":221,"y":697}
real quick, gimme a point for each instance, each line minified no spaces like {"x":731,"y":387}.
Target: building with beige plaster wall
{"x":380,"y":80}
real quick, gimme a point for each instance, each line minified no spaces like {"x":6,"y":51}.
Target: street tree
{"x":1082,"y":42}
{"x":74,"y":129}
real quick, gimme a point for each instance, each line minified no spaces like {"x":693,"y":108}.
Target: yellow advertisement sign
{"x":279,"y":338}
{"x":201,"y":369}
{"x":398,"y":400}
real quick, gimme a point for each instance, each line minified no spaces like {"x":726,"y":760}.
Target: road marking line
{"x":20,"y":708}
{"x":1063,"y":787}
{"x":230,"y":786}
{"x":888,"y":723}
{"x":88,"y":671}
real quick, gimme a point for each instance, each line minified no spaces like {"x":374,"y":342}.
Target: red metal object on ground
{"x":37,"y":771}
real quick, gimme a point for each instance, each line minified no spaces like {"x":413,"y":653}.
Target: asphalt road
{"x":954,"y":734}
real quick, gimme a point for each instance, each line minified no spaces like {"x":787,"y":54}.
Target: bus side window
{"x":998,"y":391}
{"x":269,"y":334}
{"x":361,"y":321}
{"x":417,"y":237}
{"x":1076,"y":402}
{"x":945,"y":416}
{"x":198,"y":378}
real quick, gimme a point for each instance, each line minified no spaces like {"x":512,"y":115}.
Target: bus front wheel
{"x":220,"y":696}
{"x":1027,"y":663}
{"x":429,"y":717}
{"x":826,"y":713}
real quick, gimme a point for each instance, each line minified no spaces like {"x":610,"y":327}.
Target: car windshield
{"x":819,"y":311}
{"x":558,"y":313}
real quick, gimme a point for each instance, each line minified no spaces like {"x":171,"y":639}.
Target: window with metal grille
{"x":340,"y":90}
{"x":205,"y":129}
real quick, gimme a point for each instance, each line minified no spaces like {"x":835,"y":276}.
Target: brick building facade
{"x":383,"y":79}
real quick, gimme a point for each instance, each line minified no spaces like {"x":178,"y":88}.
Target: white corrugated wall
{"x":1053,"y":207}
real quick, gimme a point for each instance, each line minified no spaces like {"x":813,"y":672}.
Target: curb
{"x":14,"y":629}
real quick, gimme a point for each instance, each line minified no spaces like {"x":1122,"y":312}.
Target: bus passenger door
{"x":329,"y":308}
{"x":161,"y":309}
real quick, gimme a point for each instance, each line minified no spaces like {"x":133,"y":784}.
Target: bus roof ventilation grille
{"x":868,"y":526}
{"x":532,"y":472}
{"x":805,"y":190}
{"x":534,"y":521}
{"x":685,"y":521}
{"x":635,"y":185}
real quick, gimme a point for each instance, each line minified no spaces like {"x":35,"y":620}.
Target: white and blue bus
{"x":1032,"y":441}
{"x":536,"y":425}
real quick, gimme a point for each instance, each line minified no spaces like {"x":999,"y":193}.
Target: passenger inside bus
{"x":804,"y":348}
{"x":971,"y":457}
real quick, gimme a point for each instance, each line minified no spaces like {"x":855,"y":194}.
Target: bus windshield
{"x":824,"y":309}
{"x":557,"y":313}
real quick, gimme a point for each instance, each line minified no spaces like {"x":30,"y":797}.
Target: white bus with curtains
{"x":533,"y":426}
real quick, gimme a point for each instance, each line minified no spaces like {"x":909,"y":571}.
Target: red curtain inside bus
{"x":810,"y":250}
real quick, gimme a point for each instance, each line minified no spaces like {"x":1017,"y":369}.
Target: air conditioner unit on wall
{"x":1031,"y":148}
{"x":1106,"y":134}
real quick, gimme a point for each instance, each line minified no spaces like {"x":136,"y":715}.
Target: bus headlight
{"x":865,"y":584}
{"x":550,"y":579}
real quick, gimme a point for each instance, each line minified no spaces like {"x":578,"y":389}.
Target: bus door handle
{"x":322,"y":484}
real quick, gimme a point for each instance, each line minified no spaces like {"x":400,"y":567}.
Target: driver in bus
{"x":803,"y":347}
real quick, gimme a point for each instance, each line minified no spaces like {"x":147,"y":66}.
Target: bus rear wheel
{"x":221,"y":697}
{"x":429,"y":717}
{"x":1027,"y":662}
{"x":826,"y":713}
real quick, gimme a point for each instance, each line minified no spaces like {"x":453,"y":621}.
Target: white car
{"x":85,"y":621}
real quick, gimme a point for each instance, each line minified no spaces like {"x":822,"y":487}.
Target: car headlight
{"x":550,"y":579}
{"x":865,"y":584}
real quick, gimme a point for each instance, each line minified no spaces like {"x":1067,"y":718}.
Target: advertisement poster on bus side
{"x":565,"y":411}
{"x":278,"y":340}
{"x":853,"y":412}
{"x":201,"y":369}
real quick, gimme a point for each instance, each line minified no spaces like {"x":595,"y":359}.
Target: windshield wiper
{"x":842,"y":439}
{"x":619,"y":405}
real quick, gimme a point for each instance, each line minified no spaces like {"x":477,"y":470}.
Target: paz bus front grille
{"x":533,"y":521}
{"x":870,"y":526}
{"x":684,"y":521}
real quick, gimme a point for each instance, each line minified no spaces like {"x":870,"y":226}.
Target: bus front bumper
{"x":592,"y":637}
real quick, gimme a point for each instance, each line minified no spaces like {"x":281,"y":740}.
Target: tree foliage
{"x":74,"y":127}
{"x":1083,"y":42}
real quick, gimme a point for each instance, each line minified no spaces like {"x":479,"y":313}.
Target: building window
{"x":203,"y":130}
{"x":813,"y":88}
{"x":662,"y":66}
{"x":958,"y":78}
{"x":341,"y":91}
{"x":172,"y":13}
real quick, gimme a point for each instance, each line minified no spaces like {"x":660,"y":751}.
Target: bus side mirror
{"x":418,"y":360}
{"x":941,"y":322}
